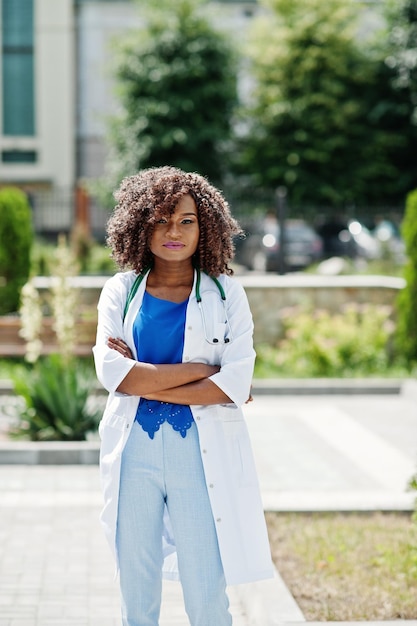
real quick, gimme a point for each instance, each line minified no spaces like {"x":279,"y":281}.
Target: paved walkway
{"x":335,"y":452}
{"x":321,"y":452}
{"x":56,"y":568}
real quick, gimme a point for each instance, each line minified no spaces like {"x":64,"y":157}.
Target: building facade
{"x":56,"y":94}
{"x":37,"y":101}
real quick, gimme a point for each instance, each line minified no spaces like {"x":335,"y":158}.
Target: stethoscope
{"x":224,"y":327}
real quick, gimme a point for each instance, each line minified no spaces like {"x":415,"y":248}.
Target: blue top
{"x":158,"y":333}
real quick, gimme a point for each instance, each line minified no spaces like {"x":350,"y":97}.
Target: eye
{"x":161,"y":220}
{"x":187,"y":220}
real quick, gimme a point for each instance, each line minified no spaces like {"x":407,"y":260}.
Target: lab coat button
{"x":204,"y":451}
{"x":186,"y":358}
{"x":211,"y":485}
{"x":197,"y":417}
{"x":219,"y":519}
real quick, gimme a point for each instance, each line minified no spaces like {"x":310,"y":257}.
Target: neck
{"x":172,"y":274}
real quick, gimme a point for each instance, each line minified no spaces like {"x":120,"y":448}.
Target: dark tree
{"x":326,"y":121}
{"x":177,"y":89}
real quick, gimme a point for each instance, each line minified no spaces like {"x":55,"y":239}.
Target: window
{"x":18,"y":156}
{"x":18,"y":67}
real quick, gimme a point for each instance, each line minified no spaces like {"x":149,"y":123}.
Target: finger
{"x":117,"y":342}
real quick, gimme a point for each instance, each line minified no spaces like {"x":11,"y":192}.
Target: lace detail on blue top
{"x":155,"y":320}
{"x":154,"y":413}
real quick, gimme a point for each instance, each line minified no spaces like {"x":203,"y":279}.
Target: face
{"x":175,"y":238}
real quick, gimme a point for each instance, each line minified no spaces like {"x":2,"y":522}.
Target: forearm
{"x":199,"y":392}
{"x":147,"y":378}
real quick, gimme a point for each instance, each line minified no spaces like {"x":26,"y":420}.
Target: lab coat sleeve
{"x":238,"y":359}
{"x":111,"y":366}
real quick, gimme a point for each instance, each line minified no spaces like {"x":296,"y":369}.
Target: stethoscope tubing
{"x":214,"y":340}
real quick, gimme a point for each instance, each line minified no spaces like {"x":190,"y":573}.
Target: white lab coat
{"x":224,"y":441}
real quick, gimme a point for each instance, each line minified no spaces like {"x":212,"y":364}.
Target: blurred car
{"x":348,"y":239}
{"x":260,"y":249}
{"x":392,"y":244}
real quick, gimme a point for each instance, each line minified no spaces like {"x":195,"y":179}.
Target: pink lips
{"x":173,"y":245}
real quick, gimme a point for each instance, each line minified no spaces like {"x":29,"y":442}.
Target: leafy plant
{"x":95,"y":261}
{"x":56,"y":398}
{"x":406,"y":336}
{"x":16,"y":238}
{"x":355,"y":341}
{"x":55,"y":391}
{"x":402,"y":20}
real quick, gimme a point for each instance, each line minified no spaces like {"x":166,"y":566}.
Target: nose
{"x":172,"y":229}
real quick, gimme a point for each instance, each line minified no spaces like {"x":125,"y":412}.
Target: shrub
{"x":318,"y":343}
{"x":55,"y":395}
{"x":55,"y":390}
{"x":406,"y":336}
{"x":16,"y":237}
{"x":92,"y":259}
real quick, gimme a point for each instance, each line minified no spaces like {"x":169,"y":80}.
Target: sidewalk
{"x":314,"y":452}
{"x":336,"y":452}
{"x":56,"y":568}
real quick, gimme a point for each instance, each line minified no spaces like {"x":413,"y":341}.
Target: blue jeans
{"x":167,"y":469}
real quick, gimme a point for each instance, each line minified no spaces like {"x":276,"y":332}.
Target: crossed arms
{"x":179,"y":383}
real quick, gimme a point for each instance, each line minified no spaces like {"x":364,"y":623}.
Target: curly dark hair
{"x":158,"y":190}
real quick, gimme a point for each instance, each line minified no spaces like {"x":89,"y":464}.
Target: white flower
{"x":64,"y":298}
{"x":31,"y":321}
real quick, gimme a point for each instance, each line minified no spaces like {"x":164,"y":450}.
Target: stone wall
{"x":269,"y":293}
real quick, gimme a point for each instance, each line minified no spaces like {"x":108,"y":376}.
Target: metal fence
{"x":54,"y":212}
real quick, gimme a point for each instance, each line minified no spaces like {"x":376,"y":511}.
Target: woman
{"x":174,"y":350}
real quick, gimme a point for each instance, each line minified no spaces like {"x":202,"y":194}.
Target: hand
{"x":120,"y":346}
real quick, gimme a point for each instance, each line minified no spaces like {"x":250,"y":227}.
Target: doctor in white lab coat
{"x":175,"y":213}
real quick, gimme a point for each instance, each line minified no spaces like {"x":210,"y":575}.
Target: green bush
{"x":55,"y":394}
{"x":354,"y":342}
{"x":16,"y":237}
{"x":93,"y":259}
{"x":55,"y":390}
{"x":42,"y":258}
{"x":406,"y":336}
{"x":100,"y":262}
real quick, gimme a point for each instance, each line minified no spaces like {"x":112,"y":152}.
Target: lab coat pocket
{"x":112,"y":432}
{"x":111,"y":420}
{"x":239,"y":449}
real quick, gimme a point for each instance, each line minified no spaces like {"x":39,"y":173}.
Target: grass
{"x":348,"y":566}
